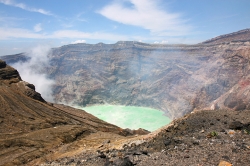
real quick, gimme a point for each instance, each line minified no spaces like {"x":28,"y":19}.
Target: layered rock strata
{"x":176,"y":79}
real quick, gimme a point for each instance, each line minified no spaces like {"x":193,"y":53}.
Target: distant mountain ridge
{"x":10,"y":59}
{"x":242,"y":35}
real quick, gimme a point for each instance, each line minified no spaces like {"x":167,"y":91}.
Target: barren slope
{"x":208,"y":137}
{"x":31,"y":128}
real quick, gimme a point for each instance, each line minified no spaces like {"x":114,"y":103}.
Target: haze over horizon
{"x":26,"y":23}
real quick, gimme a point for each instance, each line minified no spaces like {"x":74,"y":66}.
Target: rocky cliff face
{"x":176,"y":79}
{"x":10,"y":76}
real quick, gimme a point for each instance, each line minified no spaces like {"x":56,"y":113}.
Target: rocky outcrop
{"x":2,"y":64}
{"x":10,"y":77}
{"x":139,"y":131}
{"x":8,"y":74}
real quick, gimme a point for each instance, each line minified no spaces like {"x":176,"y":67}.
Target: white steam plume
{"x":30,"y":71}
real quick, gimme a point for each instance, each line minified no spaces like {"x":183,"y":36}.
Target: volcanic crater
{"x":175,"y":79}
{"x":211,"y":80}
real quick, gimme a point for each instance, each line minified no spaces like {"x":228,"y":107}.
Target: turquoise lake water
{"x":130,"y":116}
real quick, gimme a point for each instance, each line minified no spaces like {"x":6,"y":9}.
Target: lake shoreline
{"x":131,"y":117}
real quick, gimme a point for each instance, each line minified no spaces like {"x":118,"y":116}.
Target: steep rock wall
{"x":173,"y":78}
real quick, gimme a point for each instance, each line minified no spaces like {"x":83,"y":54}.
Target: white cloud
{"x":148,"y":15}
{"x":79,"y":34}
{"x":25,"y":7}
{"x":78,"y":41}
{"x":8,"y":19}
{"x":78,"y":17}
{"x":164,"y":41}
{"x":9,"y":33}
{"x":38,"y":27}
{"x":6,"y":33}
{"x":70,"y":34}
{"x":161,"y":42}
{"x":19,"y":33}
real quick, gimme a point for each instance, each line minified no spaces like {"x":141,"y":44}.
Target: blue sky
{"x":26,"y":23}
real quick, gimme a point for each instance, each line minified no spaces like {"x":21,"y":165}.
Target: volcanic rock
{"x":236,"y":125}
{"x":2,"y":64}
{"x":8,"y":74}
{"x":139,"y":131}
{"x":224,"y":163}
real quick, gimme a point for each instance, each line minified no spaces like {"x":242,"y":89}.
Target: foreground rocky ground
{"x":203,"y":138}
